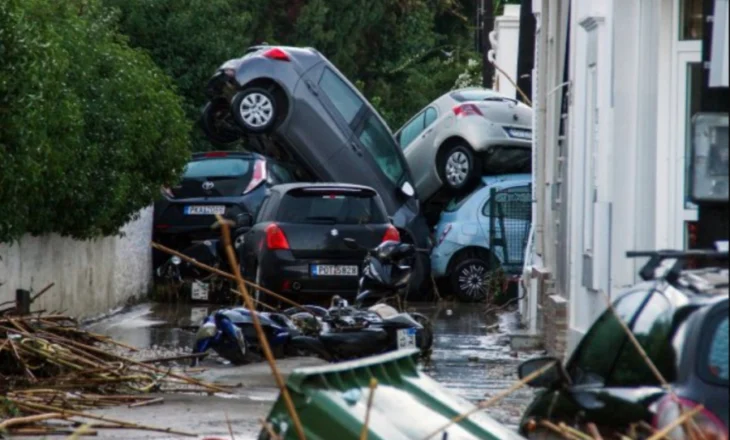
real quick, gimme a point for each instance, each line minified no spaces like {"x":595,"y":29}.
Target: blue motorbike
{"x":231,"y":334}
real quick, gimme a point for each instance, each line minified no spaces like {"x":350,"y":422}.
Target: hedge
{"x":89,"y":127}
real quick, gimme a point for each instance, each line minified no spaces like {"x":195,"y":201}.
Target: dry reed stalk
{"x":593,"y":429}
{"x":493,"y":400}
{"x":559,"y":430}
{"x":263,"y":340}
{"x":29,"y":419}
{"x":269,"y":430}
{"x":71,"y":413}
{"x":227,"y":275}
{"x":365,"y":427}
{"x":676,"y":423}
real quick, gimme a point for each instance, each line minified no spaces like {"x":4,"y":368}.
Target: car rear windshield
{"x":219,"y":167}
{"x":456,"y":203}
{"x":716,"y":361}
{"x":330,"y":208}
{"x":474,"y":95}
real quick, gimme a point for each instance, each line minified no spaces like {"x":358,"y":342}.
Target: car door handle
{"x":356,"y":149}
{"x":427,"y":132}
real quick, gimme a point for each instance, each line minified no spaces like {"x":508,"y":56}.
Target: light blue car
{"x":482,"y":231}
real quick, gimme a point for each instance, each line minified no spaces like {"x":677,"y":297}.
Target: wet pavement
{"x":471,"y":357}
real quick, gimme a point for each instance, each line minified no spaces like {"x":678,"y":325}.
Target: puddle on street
{"x":471,"y":353}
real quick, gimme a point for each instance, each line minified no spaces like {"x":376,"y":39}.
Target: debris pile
{"x":52,"y":371}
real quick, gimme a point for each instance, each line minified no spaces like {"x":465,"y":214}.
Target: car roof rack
{"x":656,"y":258}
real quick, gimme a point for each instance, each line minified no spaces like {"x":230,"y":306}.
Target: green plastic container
{"x":407,"y":404}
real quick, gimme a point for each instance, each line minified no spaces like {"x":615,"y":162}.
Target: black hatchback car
{"x":681,"y":321}
{"x":227,"y":183}
{"x":296,"y":247}
{"x":293,"y":103}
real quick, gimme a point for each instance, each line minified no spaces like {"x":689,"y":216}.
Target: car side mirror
{"x":407,"y":189}
{"x":351,"y":243}
{"x":552,"y":377}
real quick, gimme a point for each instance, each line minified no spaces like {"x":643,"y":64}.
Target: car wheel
{"x":255,"y":110}
{"x":214,"y":124}
{"x":459,"y":168}
{"x":470,"y":278}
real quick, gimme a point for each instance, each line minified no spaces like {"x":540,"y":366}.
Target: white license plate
{"x":198,"y":314}
{"x":520,"y":134}
{"x":199,"y":291}
{"x":205,"y":209}
{"x":337,"y":270}
{"x":407,"y":338}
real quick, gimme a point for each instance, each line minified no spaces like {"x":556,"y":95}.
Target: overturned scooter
{"x":345,"y":332}
{"x":231,"y":334}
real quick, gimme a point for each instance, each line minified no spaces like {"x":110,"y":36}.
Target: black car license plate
{"x":336,"y":270}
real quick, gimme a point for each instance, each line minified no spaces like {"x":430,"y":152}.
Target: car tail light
{"x":446,"y":231}
{"x":467,"y":110}
{"x":260,"y":174}
{"x":391,"y":234}
{"x":216,"y":154}
{"x":708,"y":424}
{"x":168,"y":192}
{"x":276,"y":54}
{"x":275,"y":238}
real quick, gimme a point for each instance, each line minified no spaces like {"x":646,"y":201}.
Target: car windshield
{"x":380,"y":143}
{"x":717,"y":358}
{"x":221,"y":167}
{"x":334,"y":208}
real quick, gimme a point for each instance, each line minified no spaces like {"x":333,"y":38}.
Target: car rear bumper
{"x":282,"y":273}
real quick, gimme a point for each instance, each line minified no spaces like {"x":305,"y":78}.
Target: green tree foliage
{"x":402,"y":53}
{"x":89,"y":127}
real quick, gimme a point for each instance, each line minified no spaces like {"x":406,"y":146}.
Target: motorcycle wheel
{"x":427,"y":338}
{"x":240,"y":354}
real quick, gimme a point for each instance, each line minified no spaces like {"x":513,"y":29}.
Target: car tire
{"x":459,"y":168}
{"x":213,"y":125}
{"x":469,"y":277}
{"x":255,"y":110}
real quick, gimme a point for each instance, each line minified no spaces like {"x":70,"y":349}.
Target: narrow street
{"x":471,"y":357}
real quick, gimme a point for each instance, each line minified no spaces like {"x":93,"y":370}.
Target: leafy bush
{"x":89,"y":128}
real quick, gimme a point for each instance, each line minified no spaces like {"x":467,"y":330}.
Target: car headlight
{"x":207,"y":330}
{"x":175,"y":260}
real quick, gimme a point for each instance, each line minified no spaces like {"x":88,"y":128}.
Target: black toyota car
{"x":681,"y":321}
{"x":296,"y":245}
{"x":294,"y":104}
{"x":232,"y":184}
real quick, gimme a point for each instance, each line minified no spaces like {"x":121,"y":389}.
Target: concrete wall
{"x":91,"y":277}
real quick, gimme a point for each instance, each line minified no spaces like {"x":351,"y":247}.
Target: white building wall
{"x":91,"y":277}
{"x":626,"y":145}
{"x":507,"y":30}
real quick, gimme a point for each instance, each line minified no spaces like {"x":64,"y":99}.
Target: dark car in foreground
{"x":297,"y":248}
{"x":681,"y":321}
{"x":227,"y":183}
{"x":293,"y":104}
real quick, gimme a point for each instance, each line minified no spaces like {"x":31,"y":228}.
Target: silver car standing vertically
{"x":463,"y":134}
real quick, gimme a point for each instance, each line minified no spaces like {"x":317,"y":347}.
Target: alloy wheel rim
{"x":457,"y":168}
{"x":256,"y":110}
{"x":473,"y":281}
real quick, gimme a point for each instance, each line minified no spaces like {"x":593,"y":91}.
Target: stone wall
{"x":555,"y":312}
{"x":91,"y":277}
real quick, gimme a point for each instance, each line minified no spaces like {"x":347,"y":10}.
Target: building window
{"x":694,"y":92}
{"x":690,"y":19}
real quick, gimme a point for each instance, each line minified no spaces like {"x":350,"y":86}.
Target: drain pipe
{"x":540,"y":9}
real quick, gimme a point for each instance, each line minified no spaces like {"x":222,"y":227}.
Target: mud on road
{"x":471,"y":357}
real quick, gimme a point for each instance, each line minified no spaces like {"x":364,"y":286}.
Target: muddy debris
{"x":52,"y":372}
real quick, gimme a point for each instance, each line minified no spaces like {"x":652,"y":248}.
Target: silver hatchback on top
{"x":464,"y":134}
